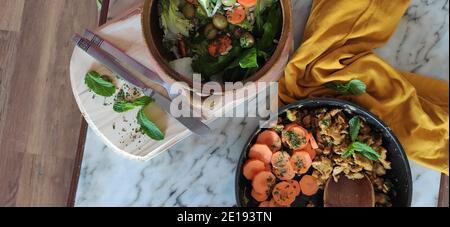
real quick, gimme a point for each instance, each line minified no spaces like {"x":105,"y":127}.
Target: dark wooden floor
{"x":39,"y":120}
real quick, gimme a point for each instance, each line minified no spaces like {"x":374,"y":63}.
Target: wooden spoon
{"x":349,"y":193}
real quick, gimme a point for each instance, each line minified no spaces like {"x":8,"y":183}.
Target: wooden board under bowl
{"x":117,"y":130}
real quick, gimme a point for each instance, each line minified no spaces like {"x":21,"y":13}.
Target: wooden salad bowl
{"x":271,"y":71}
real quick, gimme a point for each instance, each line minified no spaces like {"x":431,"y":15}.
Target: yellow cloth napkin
{"x":338,"y":42}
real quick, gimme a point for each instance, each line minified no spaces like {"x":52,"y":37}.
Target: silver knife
{"x":192,"y":123}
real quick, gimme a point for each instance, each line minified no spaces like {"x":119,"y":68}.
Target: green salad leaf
{"x":270,"y":29}
{"x":148,"y":127}
{"x":124,"y":105}
{"x":249,"y":59}
{"x":354,"y":87}
{"x":354,"y":127}
{"x":99,"y":3}
{"x":259,"y":11}
{"x":99,"y":85}
{"x":209,"y":5}
{"x":173,"y":21}
{"x":208,"y":65}
{"x":363,"y":149}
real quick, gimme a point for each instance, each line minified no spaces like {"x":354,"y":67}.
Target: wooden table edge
{"x":103,"y":17}
{"x":443,"y":192}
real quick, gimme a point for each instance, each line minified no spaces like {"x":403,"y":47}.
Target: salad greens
{"x":173,"y":21}
{"x":226,"y":40}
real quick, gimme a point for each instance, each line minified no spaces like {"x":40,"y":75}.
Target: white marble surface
{"x":200,"y":171}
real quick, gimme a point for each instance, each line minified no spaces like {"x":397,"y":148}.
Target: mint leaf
{"x":121,"y":107}
{"x":366,"y":151}
{"x":124,"y":105}
{"x":354,"y":127}
{"x":98,"y":85}
{"x":99,"y":4}
{"x":363,"y":149}
{"x":249,"y":59}
{"x":148,"y":127}
{"x":354,"y":87}
{"x":348,"y":153}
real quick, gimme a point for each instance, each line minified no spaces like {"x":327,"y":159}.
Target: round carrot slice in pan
{"x":284,"y":193}
{"x":291,"y":125}
{"x":284,"y":173}
{"x":273,"y":203}
{"x":295,"y":138}
{"x":265,"y":204}
{"x":301,"y":162}
{"x":312,"y":141}
{"x":308,"y":185}
{"x":271,"y":139}
{"x":280,"y":159}
{"x":308,"y":149}
{"x":260,"y":152}
{"x":263,"y":182}
{"x":253,"y":167}
{"x":296,"y":186}
{"x":260,"y":197}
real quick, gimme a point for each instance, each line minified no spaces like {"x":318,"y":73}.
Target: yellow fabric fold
{"x":338,"y":46}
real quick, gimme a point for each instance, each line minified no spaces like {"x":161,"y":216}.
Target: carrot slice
{"x":313,"y":141}
{"x":263,"y":182}
{"x":296,"y":186}
{"x":301,"y":162}
{"x":265,"y":204}
{"x":284,"y":193}
{"x":312,"y":153}
{"x":284,"y":173}
{"x":260,"y":152}
{"x":280,"y":159}
{"x":308,"y":185}
{"x":295,"y":138}
{"x":271,"y":139}
{"x":247,"y":3}
{"x":273,"y":203}
{"x":236,"y":16}
{"x":260,"y":197}
{"x":253,"y":167}
{"x":291,"y":125}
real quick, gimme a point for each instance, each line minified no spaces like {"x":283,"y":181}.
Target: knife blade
{"x":192,"y":123}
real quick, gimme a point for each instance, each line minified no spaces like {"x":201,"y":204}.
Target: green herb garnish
{"x":294,"y":140}
{"x":148,"y":127}
{"x":354,"y":127}
{"x":99,"y":4}
{"x":325,"y":122}
{"x":124,"y":105}
{"x":99,"y":85}
{"x":363,"y":149}
{"x":249,"y":59}
{"x":354,"y":87}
